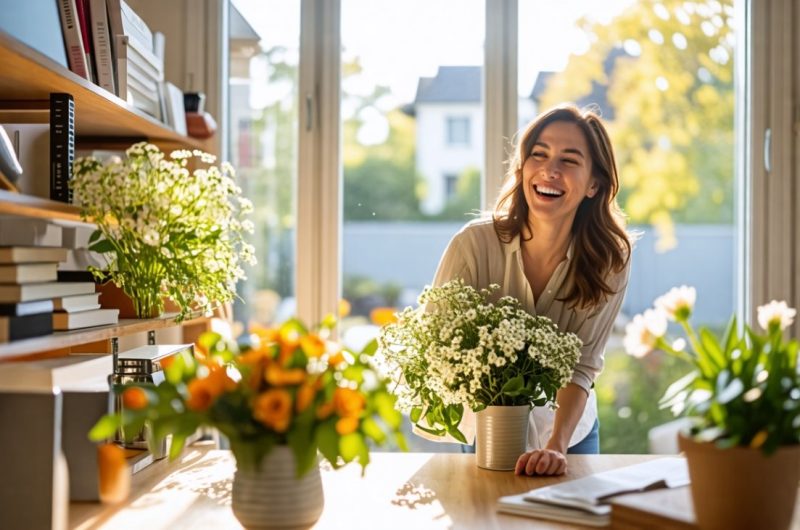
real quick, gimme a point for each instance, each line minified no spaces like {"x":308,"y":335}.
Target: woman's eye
{"x":571,"y":161}
{"x":538,"y":154}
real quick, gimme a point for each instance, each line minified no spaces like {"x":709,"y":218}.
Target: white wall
{"x":435,"y":157}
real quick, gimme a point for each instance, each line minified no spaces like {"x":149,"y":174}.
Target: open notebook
{"x":587,"y":500}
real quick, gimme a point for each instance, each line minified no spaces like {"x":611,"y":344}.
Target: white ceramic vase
{"x":273,"y":497}
{"x":501,"y":436}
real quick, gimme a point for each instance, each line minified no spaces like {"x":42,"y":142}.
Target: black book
{"x":62,"y":145}
{"x":26,"y":308}
{"x":75,"y":276}
{"x":16,"y":328}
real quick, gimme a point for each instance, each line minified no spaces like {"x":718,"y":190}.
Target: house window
{"x":458,"y":130}
{"x":450,"y":185}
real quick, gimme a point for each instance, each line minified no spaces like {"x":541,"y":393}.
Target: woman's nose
{"x":552,"y":171}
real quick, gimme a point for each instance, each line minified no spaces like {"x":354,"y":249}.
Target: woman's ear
{"x":593,"y":187}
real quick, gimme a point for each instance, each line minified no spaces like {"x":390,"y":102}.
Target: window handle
{"x":309,"y":112}
{"x":768,"y":150}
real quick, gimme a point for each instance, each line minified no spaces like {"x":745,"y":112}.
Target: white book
{"x":135,"y":27}
{"x":84,"y":319}
{"x":71,"y":27}
{"x":121,"y":55}
{"x":101,"y":37}
{"x":27,"y":232}
{"x":587,"y":500}
{"x":28,"y":273}
{"x":43,"y":291}
{"x":71,"y":373}
{"x":76,"y":303}
{"x":175,"y":113}
{"x":26,"y":254}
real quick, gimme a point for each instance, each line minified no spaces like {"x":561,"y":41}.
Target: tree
{"x":672,"y":100}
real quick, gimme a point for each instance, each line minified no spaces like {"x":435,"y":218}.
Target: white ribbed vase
{"x":501,"y":436}
{"x":274,"y":497}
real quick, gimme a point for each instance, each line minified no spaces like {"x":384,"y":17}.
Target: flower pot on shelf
{"x":113,"y":297}
{"x":274,"y":497}
{"x":501,"y":436}
{"x":740,"y":487}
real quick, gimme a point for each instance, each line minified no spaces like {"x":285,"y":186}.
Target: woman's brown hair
{"x":601,"y":243}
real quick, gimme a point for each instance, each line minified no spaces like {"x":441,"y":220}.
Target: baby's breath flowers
{"x":165,"y":230}
{"x":457,"y":349}
{"x":744,"y":390}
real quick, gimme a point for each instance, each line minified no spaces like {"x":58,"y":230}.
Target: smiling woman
{"x":557,"y":243}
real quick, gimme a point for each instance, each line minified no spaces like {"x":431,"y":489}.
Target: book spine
{"x":103,"y":54}
{"x":115,"y":28}
{"x":73,"y":39}
{"x":62,"y":145}
{"x":86,"y":36}
{"x":121,"y":42}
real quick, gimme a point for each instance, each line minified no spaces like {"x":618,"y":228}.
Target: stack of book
{"x":27,"y":277}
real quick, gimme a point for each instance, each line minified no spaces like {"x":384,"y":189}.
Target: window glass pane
{"x":662,"y":76}
{"x":264,"y":50}
{"x":412,"y":119}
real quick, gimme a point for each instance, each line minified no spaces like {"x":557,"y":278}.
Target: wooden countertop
{"x":400,"y":490}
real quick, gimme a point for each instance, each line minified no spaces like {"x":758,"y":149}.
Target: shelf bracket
{"x":151,"y":337}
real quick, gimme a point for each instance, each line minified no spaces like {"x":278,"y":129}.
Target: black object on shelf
{"x":194,"y":101}
{"x":62,"y":145}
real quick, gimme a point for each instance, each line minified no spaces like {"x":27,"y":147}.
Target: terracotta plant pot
{"x":112,"y":297}
{"x":741,"y":488}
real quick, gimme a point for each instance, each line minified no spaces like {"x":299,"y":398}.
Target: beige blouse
{"x":476,"y":255}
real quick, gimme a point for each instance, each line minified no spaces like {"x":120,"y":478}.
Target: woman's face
{"x":557,"y":174}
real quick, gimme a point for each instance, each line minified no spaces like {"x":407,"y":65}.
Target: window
{"x":679,"y":148}
{"x":458,"y":131}
{"x":263,"y":113}
{"x":450,"y":185}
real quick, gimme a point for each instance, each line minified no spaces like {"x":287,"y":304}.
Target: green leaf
{"x":712,"y":347}
{"x":384,"y":403}
{"x":371,"y":347}
{"x":455,"y":433}
{"x":513,"y":386}
{"x":373,"y":430}
{"x":351,"y":446}
{"x":106,"y":427}
{"x":103,"y":246}
{"x":415,"y":415}
{"x":175,"y":448}
{"x":328,"y":442}
{"x":95,"y":236}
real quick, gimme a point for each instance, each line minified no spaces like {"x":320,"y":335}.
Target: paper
{"x":585,"y":500}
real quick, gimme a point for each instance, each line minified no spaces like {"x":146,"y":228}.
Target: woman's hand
{"x":541,"y":462}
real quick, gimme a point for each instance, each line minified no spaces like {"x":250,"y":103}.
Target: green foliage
{"x":672,"y":125}
{"x":380,"y":181}
{"x":627,"y":399}
{"x":744,"y":387}
{"x":293,"y":387}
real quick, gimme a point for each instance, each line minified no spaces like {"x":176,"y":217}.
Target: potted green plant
{"x":457,"y":349}
{"x":164,"y":230}
{"x":743,"y":395}
{"x":291,"y":394}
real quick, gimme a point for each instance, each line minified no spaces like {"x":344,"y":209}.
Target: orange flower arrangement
{"x":291,"y":386}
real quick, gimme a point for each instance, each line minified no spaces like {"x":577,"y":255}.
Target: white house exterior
{"x":449,"y":121}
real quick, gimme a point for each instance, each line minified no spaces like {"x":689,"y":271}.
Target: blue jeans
{"x":590,"y":445}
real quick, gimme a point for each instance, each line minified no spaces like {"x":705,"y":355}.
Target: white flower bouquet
{"x":457,"y":349}
{"x":166,"y":230}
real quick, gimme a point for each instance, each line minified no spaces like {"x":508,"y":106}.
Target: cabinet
{"x":26,"y":81}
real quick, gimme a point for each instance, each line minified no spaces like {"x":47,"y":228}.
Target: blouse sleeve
{"x":594,"y":332}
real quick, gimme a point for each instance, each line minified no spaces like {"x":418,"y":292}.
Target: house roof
{"x":452,"y":84}
{"x":240,"y":29}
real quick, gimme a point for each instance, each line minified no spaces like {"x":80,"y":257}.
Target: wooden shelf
{"x":12,"y":203}
{"x":66,"y":339}
{"x":29,"y":76}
